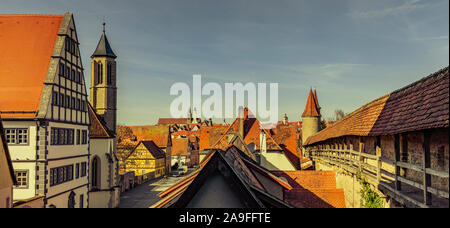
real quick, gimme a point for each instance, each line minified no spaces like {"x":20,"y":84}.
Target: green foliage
{"x":369,"y":198}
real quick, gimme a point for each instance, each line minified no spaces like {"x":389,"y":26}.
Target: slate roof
{"x":153,"y":149}
{"x":26,"y":43}
{"x":421,"y":105}
{"x":103,"y":47}
{"x":98,"y":128}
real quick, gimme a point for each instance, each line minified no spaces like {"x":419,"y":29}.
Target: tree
{"x":338,"y":114}
{"x":124,"y":132}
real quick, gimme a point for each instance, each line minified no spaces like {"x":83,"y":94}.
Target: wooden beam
{"x":398,"y":185}
{"x":426,"y":164}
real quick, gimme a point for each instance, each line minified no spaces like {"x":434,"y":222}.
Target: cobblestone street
{"x":145,"y":195}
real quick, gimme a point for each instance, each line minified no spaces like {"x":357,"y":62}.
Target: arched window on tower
{"x":71,"y":200}
{"x":109,"y":74}
{"x":100,"y":73}
{"x":96,"y":173}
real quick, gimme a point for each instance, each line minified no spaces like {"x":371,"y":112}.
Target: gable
{"x":140,"y":152}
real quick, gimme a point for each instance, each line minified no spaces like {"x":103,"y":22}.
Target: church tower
{"x":311,"y":116}
{"x":103,"y":91}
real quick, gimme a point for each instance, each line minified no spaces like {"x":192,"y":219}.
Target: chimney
{"x":241,"y":121}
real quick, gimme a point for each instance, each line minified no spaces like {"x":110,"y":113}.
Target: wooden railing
{"x":383,"y":172}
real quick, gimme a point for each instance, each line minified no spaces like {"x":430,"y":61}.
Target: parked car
{"x":182,"y":171}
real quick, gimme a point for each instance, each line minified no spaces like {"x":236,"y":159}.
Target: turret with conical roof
{"x":103,"y":48}
{"x":103,"y":82}
{"x":311,"y":116}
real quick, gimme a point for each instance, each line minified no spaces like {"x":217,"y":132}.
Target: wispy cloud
{"x":406,"y":7}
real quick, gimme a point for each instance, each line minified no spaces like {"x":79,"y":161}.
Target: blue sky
{"x":351,"y":51}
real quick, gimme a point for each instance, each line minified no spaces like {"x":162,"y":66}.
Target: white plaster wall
{"x":275,"y":161}
{"x":25,"y":193}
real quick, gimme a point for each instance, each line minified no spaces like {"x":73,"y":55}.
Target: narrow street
{"x":145,"y":195}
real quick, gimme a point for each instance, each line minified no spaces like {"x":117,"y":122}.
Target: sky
{"x":351,"y":51}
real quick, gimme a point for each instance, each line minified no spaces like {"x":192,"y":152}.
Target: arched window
{"x":96,"y":172}
{"x":71,"y":200}
{"x":109,"y":73}
{"x":100,"y":73}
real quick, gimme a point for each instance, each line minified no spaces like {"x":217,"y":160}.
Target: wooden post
{"x":378,"y":152}
{"x":398,"y":185}
{"x":426,"y":164}
{"x":361,"y":149}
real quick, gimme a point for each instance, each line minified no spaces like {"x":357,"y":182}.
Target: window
{"x":73,"y":103}
{"x":55,"y":98}
{"x":61,"y":69}
{"x":61,"y":100}
{"x":77,"y":173}
{"x":73,"y":75}
{"x":78,"y":77}
{"x":84,"y":137}
{"x":100,"y":73}
{"x":71,"y":200}
{"x":78,"y":136}
{"x":77,"y":106}
{"x":109,"y":74}
{"x":62,"y":136}
{"x":61,"y":175}
{"x":67,"y":75}
{"x":81,"y":201}
{"x":16,"y":135}
{"x":67,"y":101}
{"x":10,"y":136}
{"x":22,"y":136}
{"x":83,"y":169}
{"x":21,"y":178}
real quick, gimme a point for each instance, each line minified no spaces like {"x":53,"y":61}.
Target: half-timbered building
{"x":43,"y":103}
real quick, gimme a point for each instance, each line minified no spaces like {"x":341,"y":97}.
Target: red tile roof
{"x":287,"y":138}
{"x":252,"y":130}
{"x":312,"y":106}
{"x":179,"y":146}
{"x":316,"y":198}
{"x":163,"y":121}
{"x":313,"y":189}
{"x":421,"y":105}
{"x":158,"y":134}
{"x":26,"y":44}
{"x":210,"y":135}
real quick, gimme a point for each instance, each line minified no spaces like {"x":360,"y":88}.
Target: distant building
{"x":43,"y":103}
{"x":268,"y":152}
{"x":146,"y":158}
{"x":181,"y":152}
{"x":7,"y":178}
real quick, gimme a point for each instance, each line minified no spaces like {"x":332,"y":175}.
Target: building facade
{"x":146,"y":158}
{"x":43,"y":102}
{"x":7,"y":178}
